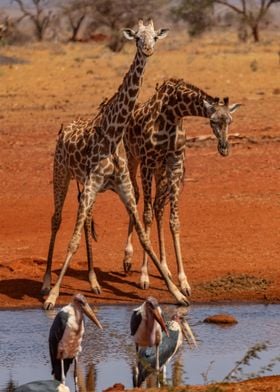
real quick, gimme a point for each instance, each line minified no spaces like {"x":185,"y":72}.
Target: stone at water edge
{"x":43,"y":386}
{"x":221,"y":318}
{"x":116,"y":387}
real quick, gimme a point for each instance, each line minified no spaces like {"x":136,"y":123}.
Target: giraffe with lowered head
{"x":92,"y":152}
{"x":155,"y":140}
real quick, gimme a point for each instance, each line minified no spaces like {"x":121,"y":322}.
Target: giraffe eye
{"x":156,"y":38}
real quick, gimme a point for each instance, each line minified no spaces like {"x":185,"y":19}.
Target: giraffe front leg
{"x":85,"y":205}
{"x":95,"y":287}
{"x":61,"y":183}
{"x":56,"y":220}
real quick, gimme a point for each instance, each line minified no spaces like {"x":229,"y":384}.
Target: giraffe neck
{"x":176,"y":99}
{"x":116,"y":112}
{"x":191,"y":105}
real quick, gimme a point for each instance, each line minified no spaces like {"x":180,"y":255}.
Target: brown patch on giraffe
{"x":132,"y":92}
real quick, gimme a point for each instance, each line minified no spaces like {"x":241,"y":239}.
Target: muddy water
{"x":108,"y":355}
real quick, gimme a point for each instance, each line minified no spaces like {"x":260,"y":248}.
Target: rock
{"x":221,"y":318}
{"x":115,"y":387}
{"x":43,"y":386}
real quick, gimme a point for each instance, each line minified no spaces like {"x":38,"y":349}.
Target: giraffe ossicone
{"x":92,"y":153}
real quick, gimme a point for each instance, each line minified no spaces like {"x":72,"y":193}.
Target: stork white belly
{"x":146,"y":338}
{"x":70,"y":344}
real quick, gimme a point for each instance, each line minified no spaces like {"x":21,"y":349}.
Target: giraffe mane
{"x":181,"y":82}
{"x":174,"y":83}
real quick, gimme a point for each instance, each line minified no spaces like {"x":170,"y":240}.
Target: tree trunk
{"x":255,"y":32}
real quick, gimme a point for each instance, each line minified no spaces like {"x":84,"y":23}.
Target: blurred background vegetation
{"x":22,"y":21}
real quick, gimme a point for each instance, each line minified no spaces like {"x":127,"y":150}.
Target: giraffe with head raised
{"x":92,"y":152}
{"x":155,"y":140}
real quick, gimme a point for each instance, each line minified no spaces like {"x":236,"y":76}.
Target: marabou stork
{"x":178,"y":329}
{"x":66,"y":336}
{"x":146,"y":327}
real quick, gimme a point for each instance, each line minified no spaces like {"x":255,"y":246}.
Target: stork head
{"x":153,"y":308}
{"x":219,"y":112}
{"x":145,"y":36}
{"x":185,"y":328}
{"x":81,"y":302}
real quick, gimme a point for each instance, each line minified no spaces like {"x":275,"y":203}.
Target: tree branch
{"x":233,"y":7}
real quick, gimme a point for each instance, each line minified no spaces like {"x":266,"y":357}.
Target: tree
{"x":39,"y":16}
{"x":250,"y":14}
{"x":75,"y":12}
{"x":197,"y":13}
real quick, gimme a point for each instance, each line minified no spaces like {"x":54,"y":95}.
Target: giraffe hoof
{"x":96,"y":290}
{"x":186,"y":290}
{"x":48,"y":305}
{"x":50,"y":301}
{"x":45,"y":290}
{"x":183,"y":300}
{"x":127,"y":267}
{"x":144,"y":285}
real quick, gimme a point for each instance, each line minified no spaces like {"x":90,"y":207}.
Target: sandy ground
{"x":229,"y":207}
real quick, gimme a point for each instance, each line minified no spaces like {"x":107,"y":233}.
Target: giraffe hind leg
{"x":126,"y":194}
{"x":92,"y":276}
{"x":128,"y":253}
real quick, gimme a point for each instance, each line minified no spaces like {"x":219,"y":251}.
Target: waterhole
{"x":108,"y":355}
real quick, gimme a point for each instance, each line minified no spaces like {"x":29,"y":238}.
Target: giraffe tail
{"x":93,"y":231}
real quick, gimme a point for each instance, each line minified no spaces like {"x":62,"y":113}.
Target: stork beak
{"x":188,"y":335}
{"x":160,"y":320}
{"x":91,"y":315}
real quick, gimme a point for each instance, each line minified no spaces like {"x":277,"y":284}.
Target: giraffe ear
{"x":129,"y":33}
{"x":234,"y":107}
{"x":162,"y":33}
{"x":209,"y":107}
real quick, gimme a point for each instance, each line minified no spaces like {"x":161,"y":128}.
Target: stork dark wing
{"x":147,"y":355}
{"x":135,"y":321}
{"x":56,"y":332}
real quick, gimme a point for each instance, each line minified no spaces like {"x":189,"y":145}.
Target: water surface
{"x":108,"y":355}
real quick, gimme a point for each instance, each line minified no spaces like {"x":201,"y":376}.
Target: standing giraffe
{"x":92,"y":152}
{"x":155,"y":139}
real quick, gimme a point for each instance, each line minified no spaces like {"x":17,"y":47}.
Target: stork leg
{"x":135,"y":368}
{"x":62,"y":372}
{"x":164,"y":374}
{"x":157,"y":366}
{"x":75,"y":375}
{"x":157,"y":358}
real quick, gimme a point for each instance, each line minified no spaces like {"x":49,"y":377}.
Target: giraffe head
{"x":219,"y":113}
{"x":145,"y":36}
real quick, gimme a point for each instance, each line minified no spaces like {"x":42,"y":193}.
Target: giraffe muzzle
{"x":223,"y":148}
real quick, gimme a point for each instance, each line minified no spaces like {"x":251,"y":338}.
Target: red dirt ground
{"x":229,"y":209}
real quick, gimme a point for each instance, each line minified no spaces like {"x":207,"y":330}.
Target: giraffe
{"x":92,"y":152}
{"x":155,"y":140}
